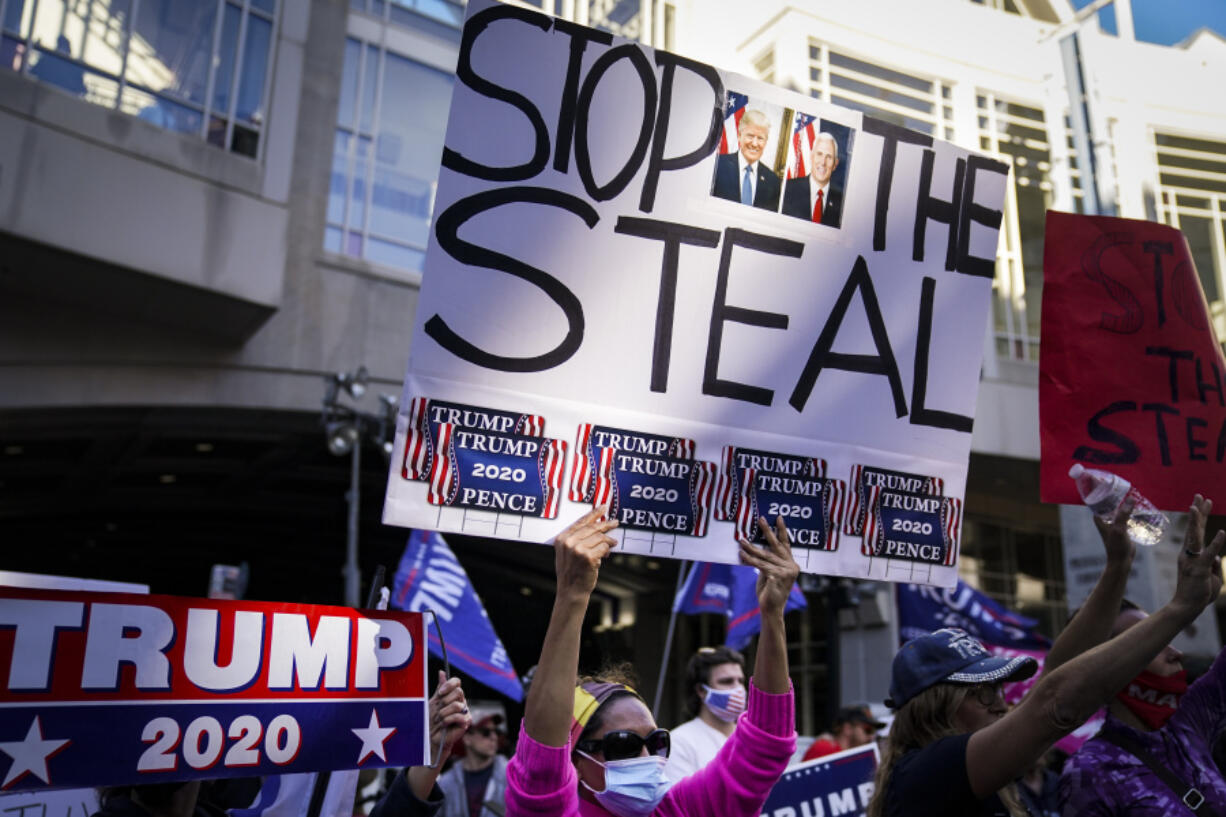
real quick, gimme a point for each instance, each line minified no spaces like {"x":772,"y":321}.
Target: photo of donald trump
{"x":813,"y":197}
{"x":741,"y":176}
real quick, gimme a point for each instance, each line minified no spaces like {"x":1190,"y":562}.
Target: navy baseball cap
{"x":950,"y":656}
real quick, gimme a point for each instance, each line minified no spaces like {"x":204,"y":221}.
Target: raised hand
{"x":1116,"y":541}
{"x":449,"y":718}
{"x":1200,"y":566}
{"x":579,"y":550}
{"x":777,"y":571}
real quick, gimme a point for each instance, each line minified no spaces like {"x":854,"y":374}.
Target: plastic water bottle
{"x":1103,"y":492}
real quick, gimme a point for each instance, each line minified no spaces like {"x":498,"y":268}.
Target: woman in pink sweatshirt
{"x":594,"y":750}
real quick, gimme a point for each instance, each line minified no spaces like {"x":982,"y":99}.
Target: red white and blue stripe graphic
{"x":592,"y":441}
{"x":661,"y":494}
{"x":912,"y":527}
{"x":811,"y":507}
{"x":734,"y":109}
{"x":864,"y":477}
{"x":425,"y":415}
{"x":804,"y":132}
{"x":729,"y":491}
{"x":505,"y":473}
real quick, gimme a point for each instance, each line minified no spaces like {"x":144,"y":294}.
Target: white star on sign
{"x":30,"y":754}
{"x":373,"y":737}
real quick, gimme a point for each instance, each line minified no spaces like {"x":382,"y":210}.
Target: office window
{"x":403,"y":12}
{"x":193,"y":66}
{"x":1023,"y":570}
{"x":919,"y":103}
{"x":389,"y":140}
{"x":1192,"y":197}
{"x":1016,"y":133}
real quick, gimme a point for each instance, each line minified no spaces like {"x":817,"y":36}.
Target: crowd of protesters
{"x":590,"y":746}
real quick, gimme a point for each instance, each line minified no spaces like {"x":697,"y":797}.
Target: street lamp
{"x":345,"y":427}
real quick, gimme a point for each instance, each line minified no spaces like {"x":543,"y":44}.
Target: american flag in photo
{"x":872,"y":523}
{"x":747,"y":507}
{"x":951,"y":520}
{"x":552,"y":468}
{"x":603,"y":493}
{"x":702,"y":486}
{"x":734,"y":109}
{"x":835,"y":497}
{"x":804,"y":131}
{"x":443,"y":468}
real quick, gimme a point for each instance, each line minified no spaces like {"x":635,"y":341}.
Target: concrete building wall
{"x":143,"y":266}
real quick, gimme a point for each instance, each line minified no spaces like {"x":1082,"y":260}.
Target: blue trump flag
{"x":431,"y":578}
{"x":729,"y":590}
{"x":922,"y":609}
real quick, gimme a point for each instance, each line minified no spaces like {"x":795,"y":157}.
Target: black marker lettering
{"x":580,"y":36}
{"x":1132,"y":318}
{"x":822,"y":357}
{"x":453,"y":160}
{"x":656,"y":162}
{"x":1158,"y":249}
{"x":721,"y":312}
{"x":928,"y":207}
{"x":447,"y":232}
{"x":1128,"y":450}
{"x":892,"y":134}
{"x":920,"y":413}
{"x":673,"y":235}
{"x":971,"y":211}
{"x":1172,"y":374}
{"x":583,"y":156}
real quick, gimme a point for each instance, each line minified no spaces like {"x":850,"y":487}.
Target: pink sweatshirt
{"x":542,"y":782}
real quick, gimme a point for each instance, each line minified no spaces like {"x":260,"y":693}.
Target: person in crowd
{"x":1154,"y":754}
{"x":596,"y":744}
{"x":415,"y":791}
{"x":715,"y":698}
{"x":476,"y":784}
{"x":812,"y":197}
{"x":193,"y":798}
{"x":955,"y":749}
{"x":741,"y":176}
{"x":1039,"y":788}
{"x":853,"y":726}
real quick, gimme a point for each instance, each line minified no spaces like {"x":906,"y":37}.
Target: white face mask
{"x":725,"y":704}
{"x":632,"y":787}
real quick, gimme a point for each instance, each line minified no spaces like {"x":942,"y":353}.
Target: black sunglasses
{"x":622,"y":745}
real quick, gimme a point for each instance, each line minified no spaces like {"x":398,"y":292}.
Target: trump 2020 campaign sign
{"x":112,"y":689}
{"x":841,"y":783}
{"x":698,"y":299}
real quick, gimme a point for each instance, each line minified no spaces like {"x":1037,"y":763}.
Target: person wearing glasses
{"x":715,"y":699}
{"x":594,"y":749}
{"x":475,"y":786}
{"x":955,"y":748}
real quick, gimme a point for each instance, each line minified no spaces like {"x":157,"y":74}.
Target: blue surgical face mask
{"x":632,"y":787}
{"x":725,"y":704}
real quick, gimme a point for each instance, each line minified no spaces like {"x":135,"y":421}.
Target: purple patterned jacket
{"x":1102,"y":779}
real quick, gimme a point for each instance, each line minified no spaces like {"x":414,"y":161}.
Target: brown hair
{"x":698,"y":671}
{"x":620,"y":673}
{"x":922,"y":720}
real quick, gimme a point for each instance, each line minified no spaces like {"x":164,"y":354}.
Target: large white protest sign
{"x":699,"y":298}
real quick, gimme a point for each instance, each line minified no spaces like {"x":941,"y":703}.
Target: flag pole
{"x":668,"y":641}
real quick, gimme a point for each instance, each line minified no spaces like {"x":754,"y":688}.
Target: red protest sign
{"x":109,"y":688}
{"x":1130,"y":372}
